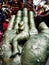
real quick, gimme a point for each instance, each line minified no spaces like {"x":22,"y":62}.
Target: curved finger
{"x":33,"y":29}
{"x":19,"y":13}
{"x":11,"y":23}
{"x":43,"y":27}
{"x":18,"y":20}
{"x":25,"y":33}
{"x":25,"y":12}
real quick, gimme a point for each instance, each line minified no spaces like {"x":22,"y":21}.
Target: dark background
{"x":47,"y":62}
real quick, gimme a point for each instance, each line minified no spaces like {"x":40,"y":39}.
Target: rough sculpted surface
{"x":35,"y":51}
{"x":22,"y":44}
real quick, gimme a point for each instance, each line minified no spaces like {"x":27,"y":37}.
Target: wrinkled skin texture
{"x":35,"y":44}
{"x":36,"y":49}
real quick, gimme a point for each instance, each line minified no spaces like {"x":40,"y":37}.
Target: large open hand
{"x":22,"y":28}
